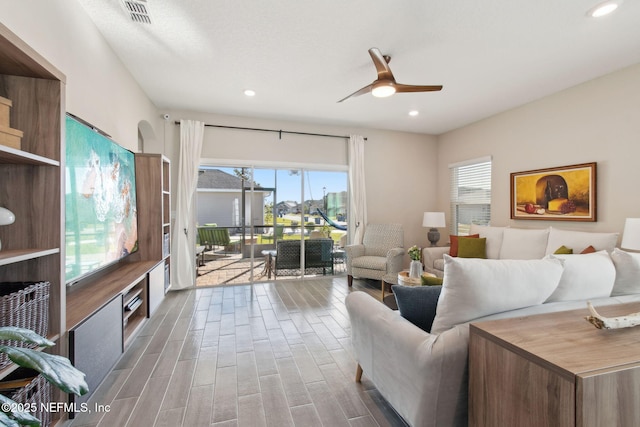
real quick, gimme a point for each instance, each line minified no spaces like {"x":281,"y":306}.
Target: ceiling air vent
{"x":137,"y":10}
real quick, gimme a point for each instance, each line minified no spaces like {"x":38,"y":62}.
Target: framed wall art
{"x":566,"y":193}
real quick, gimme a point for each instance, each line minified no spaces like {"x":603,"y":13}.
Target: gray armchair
{"x":380,"y":253}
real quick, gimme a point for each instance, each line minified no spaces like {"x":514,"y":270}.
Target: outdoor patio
{"x":219,"y":268}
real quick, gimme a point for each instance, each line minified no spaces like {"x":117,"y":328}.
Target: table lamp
{"x":6,"y":217}
{"x":433,"y":220}
{"x":631,"y":234}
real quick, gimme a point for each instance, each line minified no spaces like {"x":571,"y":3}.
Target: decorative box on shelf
{"x":8,"y":136}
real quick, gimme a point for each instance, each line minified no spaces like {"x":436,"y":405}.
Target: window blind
{"x":470,"y":186}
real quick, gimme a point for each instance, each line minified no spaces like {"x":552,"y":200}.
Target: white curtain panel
{"x":358,"y":200}
{"x":183,"y":272}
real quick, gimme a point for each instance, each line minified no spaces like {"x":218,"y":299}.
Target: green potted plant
{"x":55,"y":369}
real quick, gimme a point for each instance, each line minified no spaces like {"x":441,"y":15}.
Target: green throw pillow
{"x":472,"y":248}
{"x":431,"y":281}
{"x":563,"y":250}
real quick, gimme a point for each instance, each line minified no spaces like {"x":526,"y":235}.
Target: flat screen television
{"x":100,"y":201}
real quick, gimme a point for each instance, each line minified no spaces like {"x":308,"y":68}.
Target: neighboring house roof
{"x":220,"y":180}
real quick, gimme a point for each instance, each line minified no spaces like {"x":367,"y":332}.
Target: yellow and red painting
{"x":566,"y":193}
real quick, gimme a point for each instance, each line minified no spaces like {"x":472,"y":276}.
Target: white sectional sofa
{"x":519,"y":243}
{"x":423,"y":375}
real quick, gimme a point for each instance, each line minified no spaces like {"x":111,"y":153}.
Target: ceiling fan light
{"x":603,"y":9}
{"x":382,"y":90}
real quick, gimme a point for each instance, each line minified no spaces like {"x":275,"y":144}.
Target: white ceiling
{"x":302,"y":56}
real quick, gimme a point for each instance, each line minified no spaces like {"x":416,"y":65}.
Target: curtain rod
{"x":278,"y":131}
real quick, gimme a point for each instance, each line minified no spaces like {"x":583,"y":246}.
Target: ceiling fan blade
{"x":382,"y":67}
{"x":416,"y":88}
{"x":362,"y":91}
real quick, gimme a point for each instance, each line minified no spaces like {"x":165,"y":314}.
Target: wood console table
{"x":554,"y":370}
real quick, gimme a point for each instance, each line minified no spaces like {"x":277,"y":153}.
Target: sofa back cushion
{"x":520,"y":243}
{"x":627,"y":272}
{"x":584,"y":277}
{"x":474,"y":288}
{"x":493,"y":236}
{"x":580,"y":240}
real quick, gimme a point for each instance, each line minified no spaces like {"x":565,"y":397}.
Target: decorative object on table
{"x":566,"y":193}
{"x":601,"y":322}
{"x":6,"y":217}
{"x":631,"y":234}
{"x":415,"y":268}
{"x":433,"y":220}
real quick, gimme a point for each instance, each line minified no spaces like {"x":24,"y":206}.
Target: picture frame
{"x":564,"y":193}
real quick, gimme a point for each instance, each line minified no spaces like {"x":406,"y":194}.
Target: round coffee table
{"x":404,"y":279}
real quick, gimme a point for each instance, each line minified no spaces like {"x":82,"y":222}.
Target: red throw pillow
{"x":588,"y":250}
{"x":453,"y":249}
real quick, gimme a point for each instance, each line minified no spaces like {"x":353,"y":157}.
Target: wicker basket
{"x":36,"y":394}
{"x":25,"y":305}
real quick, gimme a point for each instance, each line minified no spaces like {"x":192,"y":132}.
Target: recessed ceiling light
{"x":414,"y":113}
{"x":249,"y":92}
{"x":603,"y":9}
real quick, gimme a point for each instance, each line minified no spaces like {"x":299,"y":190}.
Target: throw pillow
{"x":431,"y":281}
{"x":472,"y":247}
{"x":627,"y":272}
{"x":417,"y":304}
{"x":475,"y":288}
{"x":519,"y":243}
{"x":563,"y":250}
{"x":453,"y":243}
{"x":494,"y":238}
{"x":584,"y":277}
{"x":578,"y":240}
{"x":588,"y":250}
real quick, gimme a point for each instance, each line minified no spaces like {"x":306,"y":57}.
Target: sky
{"x":288,"y":184}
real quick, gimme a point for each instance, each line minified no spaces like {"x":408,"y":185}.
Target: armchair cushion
{"x":417,"y":304}
{"x":370,"y":262}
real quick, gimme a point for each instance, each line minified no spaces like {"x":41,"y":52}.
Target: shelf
{"x":134,"y":323}
{"x":10,"y":155}
{"x":85,"y":299}
{"x":18,"y":255}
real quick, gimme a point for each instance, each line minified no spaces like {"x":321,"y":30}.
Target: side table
{"x":402,"y":278}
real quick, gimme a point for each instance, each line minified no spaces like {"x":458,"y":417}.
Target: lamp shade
{"x":433,"y":220}
{"x":631,"y":234}
{"x":6,"y":216}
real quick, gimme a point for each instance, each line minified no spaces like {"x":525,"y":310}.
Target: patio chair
{"x":211,"y":237}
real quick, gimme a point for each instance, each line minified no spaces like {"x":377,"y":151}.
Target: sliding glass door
{"x":259,"y":207}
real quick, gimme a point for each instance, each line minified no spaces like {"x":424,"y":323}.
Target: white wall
{"x":400,"y":167}
{"x":98,"y":89}
{"x":598,"y":121}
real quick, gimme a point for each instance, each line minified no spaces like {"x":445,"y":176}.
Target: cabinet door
{"x":96,"y":344}
{"x":156,"y":287}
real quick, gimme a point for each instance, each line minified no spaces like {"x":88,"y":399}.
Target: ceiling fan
{"x":385,"y":85}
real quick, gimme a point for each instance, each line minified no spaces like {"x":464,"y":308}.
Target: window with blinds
{"x":470,"y":194}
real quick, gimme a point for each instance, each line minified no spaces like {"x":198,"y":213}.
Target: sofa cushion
{"x":453,"y":243}
{"x":493,"y":236}
{"x":579,"y":240}
{"x":438,"y":264}
{"x":474,"y":288}
{"x":370,"y":262}
{"x":584,"y":277}
{"x":520,"y":243}
{"x":430,"y":280}
{"x":563,"y":250}
{"x":627,"y":272}
{"x":417,"y":304}
{"x":472,"y":247}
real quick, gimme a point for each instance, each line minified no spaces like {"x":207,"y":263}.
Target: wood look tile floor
{"x":267,"y":354}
